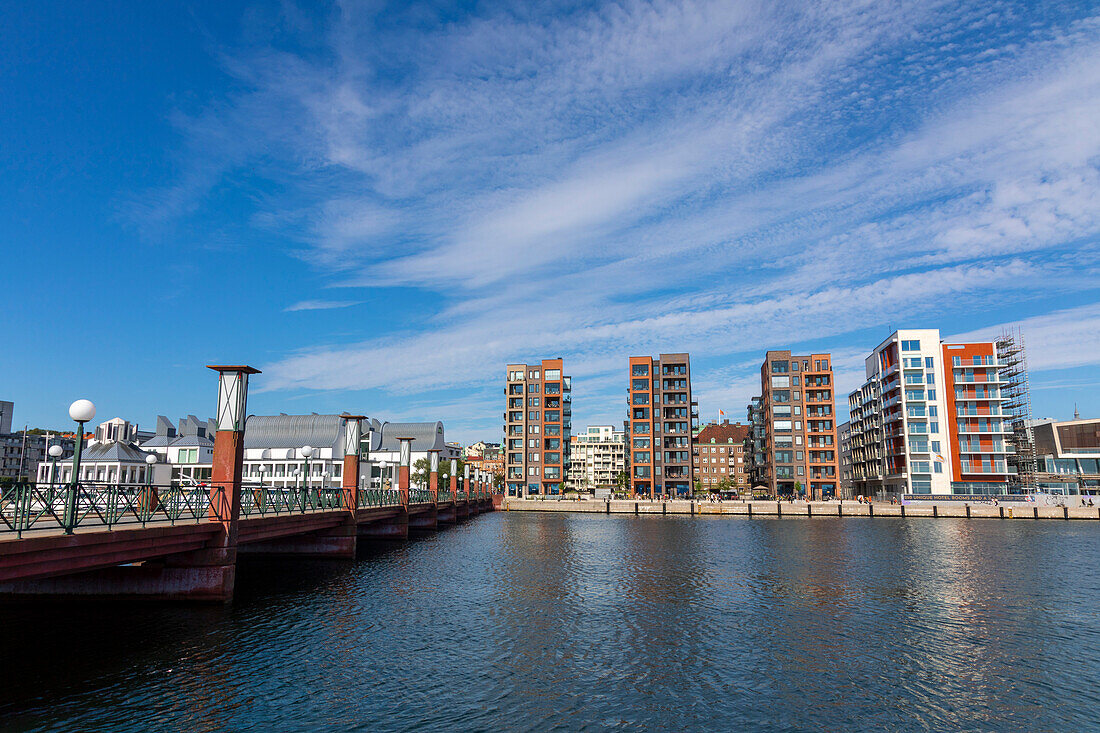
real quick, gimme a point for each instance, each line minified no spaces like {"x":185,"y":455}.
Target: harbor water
{"x":554,"y":621}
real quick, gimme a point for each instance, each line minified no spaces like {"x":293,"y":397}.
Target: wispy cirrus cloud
{"x":320,"y":305}
{"x":723,"y":177}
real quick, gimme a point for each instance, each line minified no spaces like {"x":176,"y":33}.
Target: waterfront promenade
{"x":803,"y":509}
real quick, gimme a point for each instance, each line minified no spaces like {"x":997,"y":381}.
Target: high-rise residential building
{"x":660,"y":414}
{"x":536,"y":428}
{"x":928,"y":420}
{"x":844,"y":440}
{"x":797,"y":453}
{"x":719,"y":453}
{"x":596,"y":458}
{"x":754,"y":443}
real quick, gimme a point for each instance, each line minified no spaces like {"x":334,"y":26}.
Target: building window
{"x":910,"y":345}
{"x":552,"y":375}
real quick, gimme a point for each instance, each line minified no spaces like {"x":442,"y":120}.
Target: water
{"x":576,"y":622}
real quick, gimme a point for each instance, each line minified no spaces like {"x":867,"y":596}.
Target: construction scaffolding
{"x":1016,"y":407}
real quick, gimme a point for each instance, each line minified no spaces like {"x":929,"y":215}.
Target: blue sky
{"x":381,"y":204}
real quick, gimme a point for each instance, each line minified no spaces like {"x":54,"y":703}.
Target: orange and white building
{"x":929,"y":419}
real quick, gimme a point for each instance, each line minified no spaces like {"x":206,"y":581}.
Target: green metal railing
{"x":445,"y":495}
{"x":263,"y":501}
{"x":420,"y":496}
{"x":24,"y":507}
{"x":378,"y":497}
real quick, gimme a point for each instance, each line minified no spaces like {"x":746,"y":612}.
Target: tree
{"x":622,"y":481}
{"x":798,"y":488}
{"x":422,"y":470}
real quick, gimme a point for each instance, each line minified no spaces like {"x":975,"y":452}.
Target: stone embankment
{"x":802,"y":509}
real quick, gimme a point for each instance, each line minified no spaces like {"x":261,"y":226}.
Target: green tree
{"x":798,"y":488}
{"x":422,"y":469}
{"x":622,"y":481}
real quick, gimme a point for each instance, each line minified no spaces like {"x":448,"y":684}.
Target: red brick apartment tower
{"x":536,"y":428}
{"x":799,"y":419}
{"x":660,"y":415}
{"x":978,"y":431}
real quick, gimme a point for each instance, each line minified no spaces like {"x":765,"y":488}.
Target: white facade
{"x":596,"y":457}
{"x":901,"y":412}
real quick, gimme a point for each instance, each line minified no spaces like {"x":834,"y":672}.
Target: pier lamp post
{"x":433,"y":475}
{"x":325,"y":475}
{"x":466,"y":479}
{"x":55,"y":451}
{"x":307,"y":453}
{"x":150,"y":461}
{"x":81,"y":411}
{"x":403,"y":468}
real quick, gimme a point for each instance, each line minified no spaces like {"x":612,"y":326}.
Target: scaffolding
{"x":1016,"y":407}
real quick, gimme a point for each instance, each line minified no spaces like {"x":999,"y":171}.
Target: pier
{"x":105,"y":540}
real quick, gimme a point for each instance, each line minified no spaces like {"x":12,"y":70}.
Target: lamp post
{"x":325,"y":475}
{"x":150,"y":461}
{"x":55,"y":451}
{"x":81,"y":411}
{"x":307,"y":453}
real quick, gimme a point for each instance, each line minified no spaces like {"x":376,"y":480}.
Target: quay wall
{"x":801,"y":509}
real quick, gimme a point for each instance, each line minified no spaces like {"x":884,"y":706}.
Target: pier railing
{"x":368,"y":498}
{"x":28,"y":506}
{"x":266,"y":501}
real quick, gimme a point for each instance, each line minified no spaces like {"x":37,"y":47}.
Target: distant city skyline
{"x":381,"y":208}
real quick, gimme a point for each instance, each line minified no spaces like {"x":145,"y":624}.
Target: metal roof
{"x":425,"y":435}
{"x":293,"y":431}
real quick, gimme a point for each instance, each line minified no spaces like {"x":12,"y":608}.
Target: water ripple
{"x":572,"y":622}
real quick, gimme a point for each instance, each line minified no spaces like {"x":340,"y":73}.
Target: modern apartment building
{"x":596,"y":458}
{"x":844,"y":440}
{"x":794,"y":426}
{"x":536,"y":428}
{"x":660,"y":414}
{"x":719,"y":452}
{"x":1068,"y":456}
{"x":928,"y":420}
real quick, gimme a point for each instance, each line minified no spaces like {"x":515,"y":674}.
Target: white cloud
{"x":720,"y":177}
{"x":318,"y":305}
{"x":1059,"y":340}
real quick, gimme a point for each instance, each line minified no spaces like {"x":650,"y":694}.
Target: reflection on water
{"x":573,"y":622}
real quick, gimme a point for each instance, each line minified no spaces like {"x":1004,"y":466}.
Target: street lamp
{"x":150,"y":460}
{"x":81,"y":411}
{"x":55,"y":451}
{"x":307,"y":453}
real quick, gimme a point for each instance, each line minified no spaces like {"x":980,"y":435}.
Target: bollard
{"x":935,"y":511}
{"x":840,"y":509}
{"x":1065,"y":512}
{"x":968,"y":511}
{"x":608,"y":507}
{"x":779,"y":508}
{"x":635,"y":508}
{"x":693,"y":507}
{"x":809,"y":509}
{"x":870,"y":509}
{"x":750,"y":510}
{"x":903,"y":510}
{"x":664,"y":507}
{"x":1002,"y":512}
{"x":1034,"y":512}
